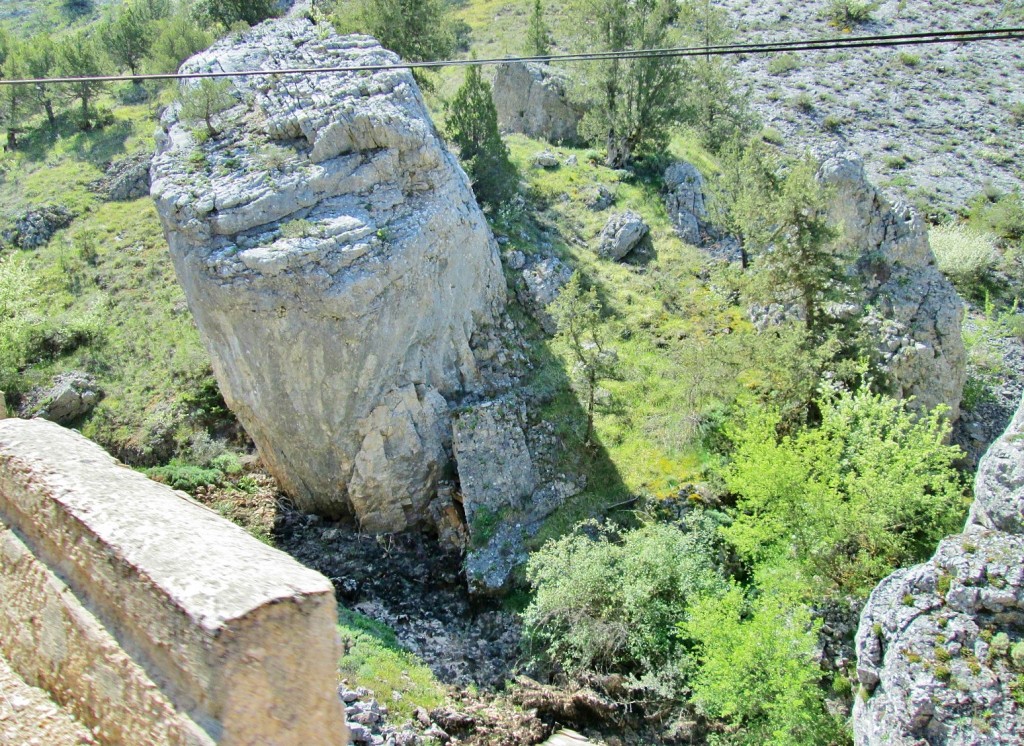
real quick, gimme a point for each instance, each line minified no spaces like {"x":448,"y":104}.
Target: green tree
{"x":176,"y":38}
{"x":631,"y":103}
{"x":15,"y":100}
{"x":578,"y":315}
{"x":127,"y":36}
{"x":78,"y":56}
{"x":40,"y":59}
{"x":758,"y":670}
{"x":472,"y":124}
{"x":715,"y":103}
{"x":229,"y":12}
{"x":538,"y":35}
{"x":871,"y":489}
{"x":202,"y":101}
{"x":416,"y":30}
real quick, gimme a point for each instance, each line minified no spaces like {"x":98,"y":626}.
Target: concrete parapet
{"x":149,"y":616}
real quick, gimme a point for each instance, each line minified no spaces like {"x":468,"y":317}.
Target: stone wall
{"x":150,"y":617}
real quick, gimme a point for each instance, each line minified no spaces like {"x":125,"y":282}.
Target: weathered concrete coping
{"x":237,"y":635}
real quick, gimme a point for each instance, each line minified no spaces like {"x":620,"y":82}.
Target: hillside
{"x":720,"y":450}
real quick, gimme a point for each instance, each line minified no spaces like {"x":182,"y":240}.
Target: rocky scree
{"x":337,"y":265}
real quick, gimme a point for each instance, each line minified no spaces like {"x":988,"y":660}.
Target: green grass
{"x":374,"y":659}
{"x":146,"y":356}
{"x":662,"y":401}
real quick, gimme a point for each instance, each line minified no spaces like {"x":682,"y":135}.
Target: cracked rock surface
{"x":940,"y":646}
{"x":337,"y":265}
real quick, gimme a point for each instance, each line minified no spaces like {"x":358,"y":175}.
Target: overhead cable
{"x":806,"y":45}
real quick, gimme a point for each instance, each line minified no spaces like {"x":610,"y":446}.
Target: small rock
{"x":621,"y":234}
{"x":545,"y":159}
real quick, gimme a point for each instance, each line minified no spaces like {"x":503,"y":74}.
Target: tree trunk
{"x":86,"y":124}
{"x":51,"y":118}
{"x":12,"y":140}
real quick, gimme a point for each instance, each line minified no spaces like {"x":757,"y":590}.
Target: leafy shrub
{"x":803,"y":103}
{"x":783,"y":64}
{"x":849,"y":13}
{"x":1002,"y":215}
{"x":965,"y":255}
{"x":758,"y":670}
{"x":908,"y":59}
{"x":228,"y":463}
{"x":610,"y":603}
{"x":833,"y":123}
{"x":871,"y":489}
{"x":184,"y":476}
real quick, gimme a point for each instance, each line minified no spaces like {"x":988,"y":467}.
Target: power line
{"x":808,"y":45}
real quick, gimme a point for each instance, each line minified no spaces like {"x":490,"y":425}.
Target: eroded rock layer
{"x":912,"y":310}
{"x":336,"y":263}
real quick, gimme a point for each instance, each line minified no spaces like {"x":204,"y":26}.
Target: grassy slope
{"x":146,"y":356}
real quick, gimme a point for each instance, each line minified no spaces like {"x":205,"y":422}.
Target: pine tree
{"x":201,"y":102}
{"x":416,"y":30}
{"x":77,"y":56}
{"x":127,"y":36}
{"x":40,"y":58}
{"x":14,"y":99}
{"x":229,"y":12}
{"x":472,"y":124}
{"x":538,"y":36}
{"x":631,"y":103}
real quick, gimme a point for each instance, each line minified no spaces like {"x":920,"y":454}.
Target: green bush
{"x":758,"y":667}
{"x":871,"y":489}
{"x":1002,"y":215}
{"x":783,"y":64}
{"x":849,"y":13}
{"x":965,"y":255}
{"x":608,"y":603}
{"x":184,"y":476}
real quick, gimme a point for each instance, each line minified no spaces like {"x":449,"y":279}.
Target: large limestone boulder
{"x":621,"y":234}
{"x":337,"y":266}
{"x":940,"y":646}
{"x":999,"y":487}
{"x":914,"y":312}
{"x":531,"y":99}
{"x":69,"y":397}
{"x":684,"y":200}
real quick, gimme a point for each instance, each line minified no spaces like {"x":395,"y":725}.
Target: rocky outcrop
{"x":684,"y":200}
{"x":337,"y":265}
{"x":35,"y":227}
{"x":541,"y":284}
{"x":127,"y":178}
{"x":620,"y":235}
{"x":530,"y":98}
{"x":69,"y":397}
{"x":940,"y":646}
{"x":911,"y":309}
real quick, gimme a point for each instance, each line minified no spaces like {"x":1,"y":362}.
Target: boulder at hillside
{"x":69,"y":397}
{"x":684,"y":200}
{"x":914,"y":313}
{"x":940,"y":646}
{"x":337,"y":265}
{"x":542,"y":281}
{"x":620,"y":235}
{"x":531,"y":99}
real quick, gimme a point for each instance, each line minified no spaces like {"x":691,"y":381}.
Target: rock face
{"x":684,"y":199}
{"x":495,"y":468}
{"x":542,"y":282}
{"x":337,"y":265}
{"x":916,"y":314}
{"x":940,"y":647}
{"x":70,"y":396}
{"x":530,"y":98}
{"x":35,"y":227}
{"x":620,"y":235}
